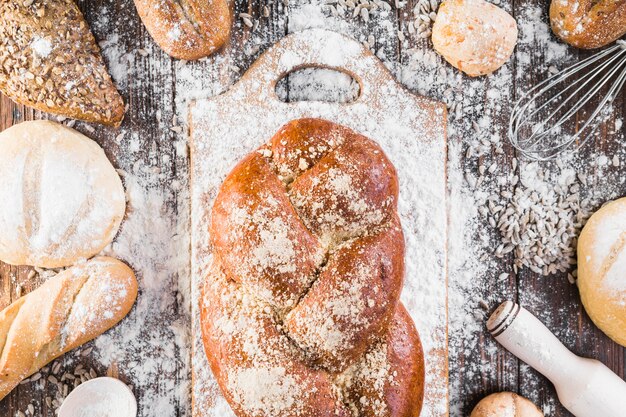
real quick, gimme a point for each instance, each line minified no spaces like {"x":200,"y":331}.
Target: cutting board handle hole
{"x":318,"y":84}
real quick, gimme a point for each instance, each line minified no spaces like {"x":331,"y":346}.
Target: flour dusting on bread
{"x":65,"y":201}
{"x":350,"y":301}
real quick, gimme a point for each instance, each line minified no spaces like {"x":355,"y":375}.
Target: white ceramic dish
{"x":100,"y":397}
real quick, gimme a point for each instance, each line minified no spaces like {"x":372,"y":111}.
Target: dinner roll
{"x":60,"y":198}
{"x":602,"y":269}
{"x":505,"y":404}
{"x":588,"y":23}
{"x":474,"y":36}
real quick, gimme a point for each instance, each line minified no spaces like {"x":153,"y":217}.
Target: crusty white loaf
{"x":187,"y":29}
{"x":60,"y":198}
{"x":68,"y":310}
{"x":602,"y":269}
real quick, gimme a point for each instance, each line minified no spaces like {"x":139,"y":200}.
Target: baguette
{"x":187,"y":29}
{"x":49,"y":60}
{"x":67,"y":311}
{"x":588,"y":24}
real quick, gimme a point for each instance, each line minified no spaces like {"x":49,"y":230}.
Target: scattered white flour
{"x":175,"y":33}
{"x":535,"y":30}
{"x":614,"y":280}
{"x":42,"y":47}
{"x":151,"y":346}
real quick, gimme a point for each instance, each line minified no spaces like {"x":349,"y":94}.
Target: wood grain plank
{"x":553,"y":299}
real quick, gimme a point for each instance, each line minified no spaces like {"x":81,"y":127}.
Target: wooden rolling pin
{"x":586,"y":387}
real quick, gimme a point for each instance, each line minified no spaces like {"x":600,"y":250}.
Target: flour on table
{"x":477,"y":170}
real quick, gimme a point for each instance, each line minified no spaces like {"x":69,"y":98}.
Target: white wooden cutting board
{"x":411,"y":129}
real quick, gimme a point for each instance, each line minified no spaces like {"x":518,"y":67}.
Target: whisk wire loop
{"x":560,"y":98}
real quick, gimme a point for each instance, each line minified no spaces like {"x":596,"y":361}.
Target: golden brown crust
{"x":588,"y":24}
{"x":602,"y":267}
{"x":303,"y":294}
{"x":506,"y":404}
{"x":72,"y":200}
{"x":67,"y":311}
{"x":187,"y":29}
{"x":475,"y":36}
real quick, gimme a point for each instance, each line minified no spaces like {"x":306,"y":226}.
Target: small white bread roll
{"x":474,"y":36}
{"x":602,"y":269}
{"x":505,"y":404}
{"x":61,"y":200}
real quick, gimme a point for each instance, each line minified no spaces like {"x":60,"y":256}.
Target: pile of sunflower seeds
{"x":424,"y":12}
{"x":539,"y":222}
{"x":424,"y":15}
{"x":362,"y":9}
{"x":58,"y":383}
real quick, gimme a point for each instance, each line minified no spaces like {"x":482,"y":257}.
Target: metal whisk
{"x":541,"y":118}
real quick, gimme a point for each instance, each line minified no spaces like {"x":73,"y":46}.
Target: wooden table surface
{"x":477,"y":365}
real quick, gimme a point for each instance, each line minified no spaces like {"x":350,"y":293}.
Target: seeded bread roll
{"x":67,"y":311}
{"x":506,"y":404}
{"x":588,"y":24}
{"x":187,"y":29}
{"x":49,"y":60}
{"x":602,"y":269}
{"x":60,"y":198}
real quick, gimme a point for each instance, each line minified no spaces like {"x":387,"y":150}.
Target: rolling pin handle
{"x":586,"y":387}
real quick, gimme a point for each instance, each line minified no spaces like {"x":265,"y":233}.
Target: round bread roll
{"x":474,"y":36}
{"x":505,"y":404}
{"x":588,"y":24}
{"x":602,"y":269}
{"x":60,"y":198}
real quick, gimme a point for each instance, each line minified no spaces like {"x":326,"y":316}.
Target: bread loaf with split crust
{"x":187,"y":29}
{"x":67,"y":311}
{"x":61,"y":200}
{"x":602,"y":269}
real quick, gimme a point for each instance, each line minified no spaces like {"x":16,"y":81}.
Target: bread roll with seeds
{"x":60,"y":198}
{"x":602,"y":269}
{"x":49,"y":60}
{"x":588,"y":24}
{"x":474,"y":36}
{"x":506,"y":404}
{"x":67,"y":311}
{"x":187,"y":29}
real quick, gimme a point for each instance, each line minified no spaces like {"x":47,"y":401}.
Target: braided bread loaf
{"x":300,"y":311}
{"x":588,"y":24}
{"x":67,"y":311}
